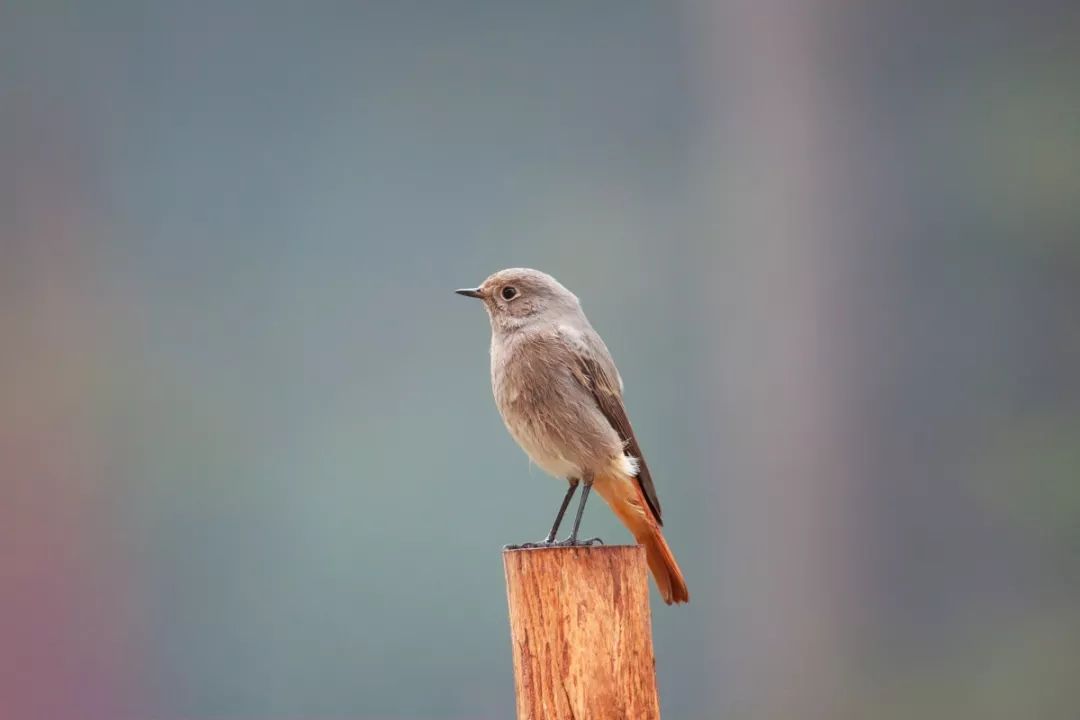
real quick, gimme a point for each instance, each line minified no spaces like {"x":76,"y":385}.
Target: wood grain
{"x":581,"y":633}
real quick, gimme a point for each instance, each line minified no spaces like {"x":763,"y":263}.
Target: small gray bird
{"x":560,"y":395}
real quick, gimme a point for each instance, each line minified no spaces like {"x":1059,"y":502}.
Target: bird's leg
{"x":562,"y":511}
{"x":550,"y":539}
{"x":572,"y":540}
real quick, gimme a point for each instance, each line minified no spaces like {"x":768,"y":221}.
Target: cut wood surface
{"x":581,"y":633}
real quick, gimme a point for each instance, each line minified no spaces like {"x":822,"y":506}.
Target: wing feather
{"x":596,"y":371}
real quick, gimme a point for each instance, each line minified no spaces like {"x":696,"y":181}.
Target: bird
{"x":561,"y":398}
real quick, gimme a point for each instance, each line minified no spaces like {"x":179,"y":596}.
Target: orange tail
{"x":626,"y":500}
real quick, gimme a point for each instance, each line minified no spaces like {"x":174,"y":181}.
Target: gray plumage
{"x":555,"y":383}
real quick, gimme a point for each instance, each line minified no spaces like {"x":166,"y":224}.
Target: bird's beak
{"x":470,"y":292}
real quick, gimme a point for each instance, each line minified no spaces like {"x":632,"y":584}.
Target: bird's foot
{"x":545,"y":543}
{"x":574,"y":542}
{"x":552,"y":543}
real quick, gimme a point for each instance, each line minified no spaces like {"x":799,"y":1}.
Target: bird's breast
{"x":518,"y":387}
{"x":548,"y":412}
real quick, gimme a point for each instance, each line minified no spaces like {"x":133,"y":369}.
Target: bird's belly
{"x":543,"y":448}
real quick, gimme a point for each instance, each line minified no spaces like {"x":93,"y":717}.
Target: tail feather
{"x":629,"y":505}
{"x":669,"y":578}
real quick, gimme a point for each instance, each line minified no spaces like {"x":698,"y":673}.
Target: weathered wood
{"x":581,"y":633}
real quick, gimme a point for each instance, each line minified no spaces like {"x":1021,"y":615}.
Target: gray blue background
{"x":251,"y":465}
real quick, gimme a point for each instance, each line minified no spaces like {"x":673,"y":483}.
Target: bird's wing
{"x":596,"y":371}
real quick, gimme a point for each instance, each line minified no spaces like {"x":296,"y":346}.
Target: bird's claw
{"x":546,"y":543}
{"x":574,"y":542}
{"x":549,"y":543}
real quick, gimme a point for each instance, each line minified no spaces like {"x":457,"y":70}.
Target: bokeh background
{"x":251,"y":467}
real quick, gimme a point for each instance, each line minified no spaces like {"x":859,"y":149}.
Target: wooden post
{"x":581,"y":633}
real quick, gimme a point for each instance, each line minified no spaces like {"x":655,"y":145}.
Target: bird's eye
{"x":509,"y":293}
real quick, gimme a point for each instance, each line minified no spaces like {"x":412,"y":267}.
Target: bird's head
{"x":517,"y":297}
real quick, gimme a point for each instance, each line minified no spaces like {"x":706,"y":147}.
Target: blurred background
{"x":251,"y":467}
